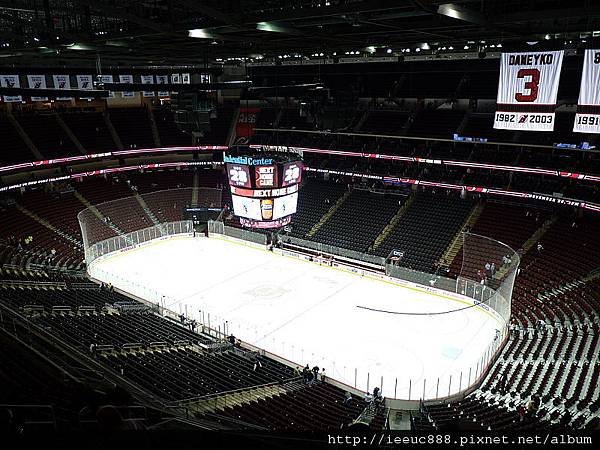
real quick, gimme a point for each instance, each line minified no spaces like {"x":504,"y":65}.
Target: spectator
{"x":306,"y":373}
{"x":323,"y":376}
{"x":502,"y":383}
{"x":540,"y":247}
{"x":368,"y":398}
{"x":257,"y":362}
{"x":309,"y":377}
{"x":521,"y":412}
{"x":315,"y":370}
{"x":376,"y":393}
{"x":347,"y":398}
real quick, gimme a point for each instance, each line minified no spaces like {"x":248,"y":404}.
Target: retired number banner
{"x":527,"y":90}
{"x":587,"y":119}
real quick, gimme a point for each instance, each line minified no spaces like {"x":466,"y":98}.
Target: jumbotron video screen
{"x":264,"y":188}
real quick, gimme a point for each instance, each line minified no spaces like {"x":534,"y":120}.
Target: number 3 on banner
{"x":532,"y":85}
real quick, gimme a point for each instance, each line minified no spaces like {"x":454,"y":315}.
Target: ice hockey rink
{"x":311,"y":314}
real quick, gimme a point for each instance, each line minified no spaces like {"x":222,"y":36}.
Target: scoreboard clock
{"x":264,"y":188}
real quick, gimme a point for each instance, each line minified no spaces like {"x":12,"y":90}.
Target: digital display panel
{"x":265,"y":176}
{"x":249,"y":208}
{"x":238,"y":175}
{"x":292,"y":173}
{"x":284,"y":206}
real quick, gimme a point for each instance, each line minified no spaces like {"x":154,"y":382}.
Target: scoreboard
{"x":264,"y":189}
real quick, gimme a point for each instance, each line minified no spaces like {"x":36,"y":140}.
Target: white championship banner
{"x":62,"y":82}
{"x":126,"y":79}
{"x":162,"y":79}
{"x":108,"y":79}
{"x":587,"y":119}
{"x":37,"y":82}
{"x":11,"y":81}
{"x":527,"y":90}
{"x":147,"y":79}
{"x":86,"y":83}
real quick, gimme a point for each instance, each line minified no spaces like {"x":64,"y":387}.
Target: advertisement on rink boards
{"x":37,"y":82}
{"x":587,"y":119}
{"x":527,"y":90}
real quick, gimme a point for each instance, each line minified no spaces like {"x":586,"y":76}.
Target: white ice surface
{"x":308,"y":313}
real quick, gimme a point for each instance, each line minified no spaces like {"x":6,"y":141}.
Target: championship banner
{"x":126,"y":79}
{"x":587,"y":119}
{"x":527,"y":90}
{"x":147,"y":79}
{"x":107,"y":79}
{"x":37,"y":82}
{"x":246,"y":122}
{"x":86,"y":83}
{"x":175,"y":79}
{"x":185,"y":78}
{"x":11,"y":81}
{"x":162,"y":79}
{"x":62,"y":82}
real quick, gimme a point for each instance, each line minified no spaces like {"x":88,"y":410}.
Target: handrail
{"x":200,"y":398}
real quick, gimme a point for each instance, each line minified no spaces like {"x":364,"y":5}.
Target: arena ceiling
{"x":162,"y":32}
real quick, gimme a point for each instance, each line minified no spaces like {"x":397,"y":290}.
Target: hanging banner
{"x":587,"y":119}
{"x":175,"y":79}
{"x":162,"y":79}
{"x":107,"y":79}
{"x":62,"y":82}
{"x":37,"y":82}
{"x":246,"y":122}
{"x":11,"y":81}
{"x":86,"y":83}
{"x":127,"y":79}
{"x":185,"y":78}
{"x":527,"y":90}
{"x":148,"y":79}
